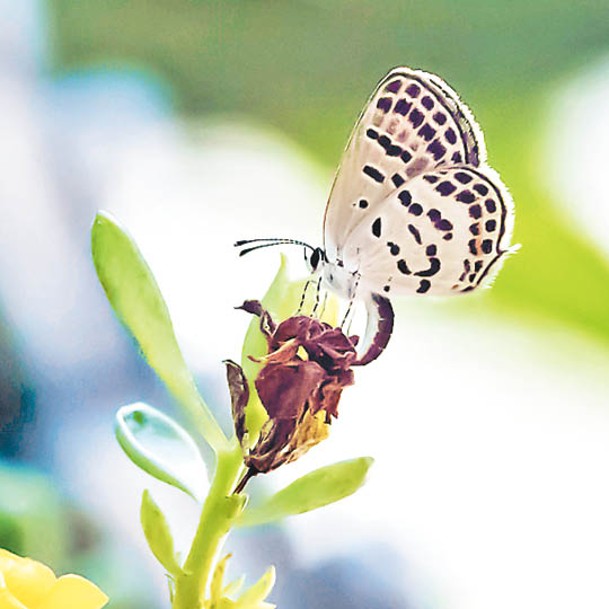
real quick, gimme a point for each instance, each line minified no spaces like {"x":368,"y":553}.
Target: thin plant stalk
{"x":220,"y":510}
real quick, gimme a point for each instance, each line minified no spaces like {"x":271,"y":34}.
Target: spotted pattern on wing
{"x":413,"y":124}
{"x":414,"y":208}
{"x":405,"y":243}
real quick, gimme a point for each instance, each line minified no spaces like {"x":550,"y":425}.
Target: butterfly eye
{"x":316,"y":258}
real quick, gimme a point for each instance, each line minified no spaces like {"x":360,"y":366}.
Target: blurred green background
{"x":305,"y":68}
{"x":103,"y":103}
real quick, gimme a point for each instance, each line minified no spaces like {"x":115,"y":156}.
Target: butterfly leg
{"x":351,"y":300}
{"x":304,"y":296}
{"x":317,"y":299}
{"x":346,"y":326}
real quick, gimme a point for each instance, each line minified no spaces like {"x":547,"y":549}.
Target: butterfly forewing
{"x":411,"y":124}
{"x":414,"y":207}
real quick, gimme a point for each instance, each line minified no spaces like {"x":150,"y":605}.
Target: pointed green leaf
{"x":161,"y":447}
{"x":253,"y":597}
{"x":281,"y":300}
{"x":234,"y":587}
{"x":217,"y":581}
{"x":158,"y":534}
{"x":138,"y":303}
{"x":316,"y":489}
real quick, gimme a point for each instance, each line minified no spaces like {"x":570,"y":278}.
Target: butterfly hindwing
{"x":413,"y":123}
{"x":441,"y":233}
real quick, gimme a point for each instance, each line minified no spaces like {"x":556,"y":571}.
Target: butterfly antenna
{"x":268,"y":242}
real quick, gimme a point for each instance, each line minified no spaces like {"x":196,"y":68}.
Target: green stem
{"x":219,"y":511}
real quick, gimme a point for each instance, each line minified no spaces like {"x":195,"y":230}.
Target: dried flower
{"x":307,"y":366}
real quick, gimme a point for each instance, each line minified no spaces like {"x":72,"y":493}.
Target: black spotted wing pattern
{"x":442,"y":233}
{"x":414,"y":208}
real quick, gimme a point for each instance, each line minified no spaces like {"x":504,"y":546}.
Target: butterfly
{"x":414,"y":209}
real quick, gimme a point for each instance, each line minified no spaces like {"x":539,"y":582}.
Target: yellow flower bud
{"x":28,"y":584}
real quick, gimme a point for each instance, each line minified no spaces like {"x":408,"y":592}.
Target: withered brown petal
{"x":332,"y":349}
{"x":285,"y":441}
{"x":283,"y":354}
{"x":267,"y":325}
{"x":311,"y":430}
{"x":285,"y":388}
{"x":330,"y":400}
{"x":304,"y":329}
{"x":239,"y":396}
{"x":329,"y":393}
{"x":269,"y":451}
{"x":324,"y":344}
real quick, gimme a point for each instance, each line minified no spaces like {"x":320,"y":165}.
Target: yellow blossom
{"x":27,"y":584}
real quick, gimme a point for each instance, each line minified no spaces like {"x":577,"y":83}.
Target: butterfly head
{"x":316,"y":260}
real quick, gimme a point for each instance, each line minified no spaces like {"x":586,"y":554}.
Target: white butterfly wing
{"x":441,"y":233}
{"x":413,"y":136}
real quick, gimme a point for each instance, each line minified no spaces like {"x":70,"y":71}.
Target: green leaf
{"x":318,"y":488}
{"x":281,"y":300}
{"x":216,"y":586}
{"x":253,"y":597}
{"x":162,"y":448}
{"x":158,"y":534}
{"x":138,"y":303}
{"x":234,"y":587}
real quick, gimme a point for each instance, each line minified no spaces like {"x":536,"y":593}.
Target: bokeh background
{"x":199,"y":122}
